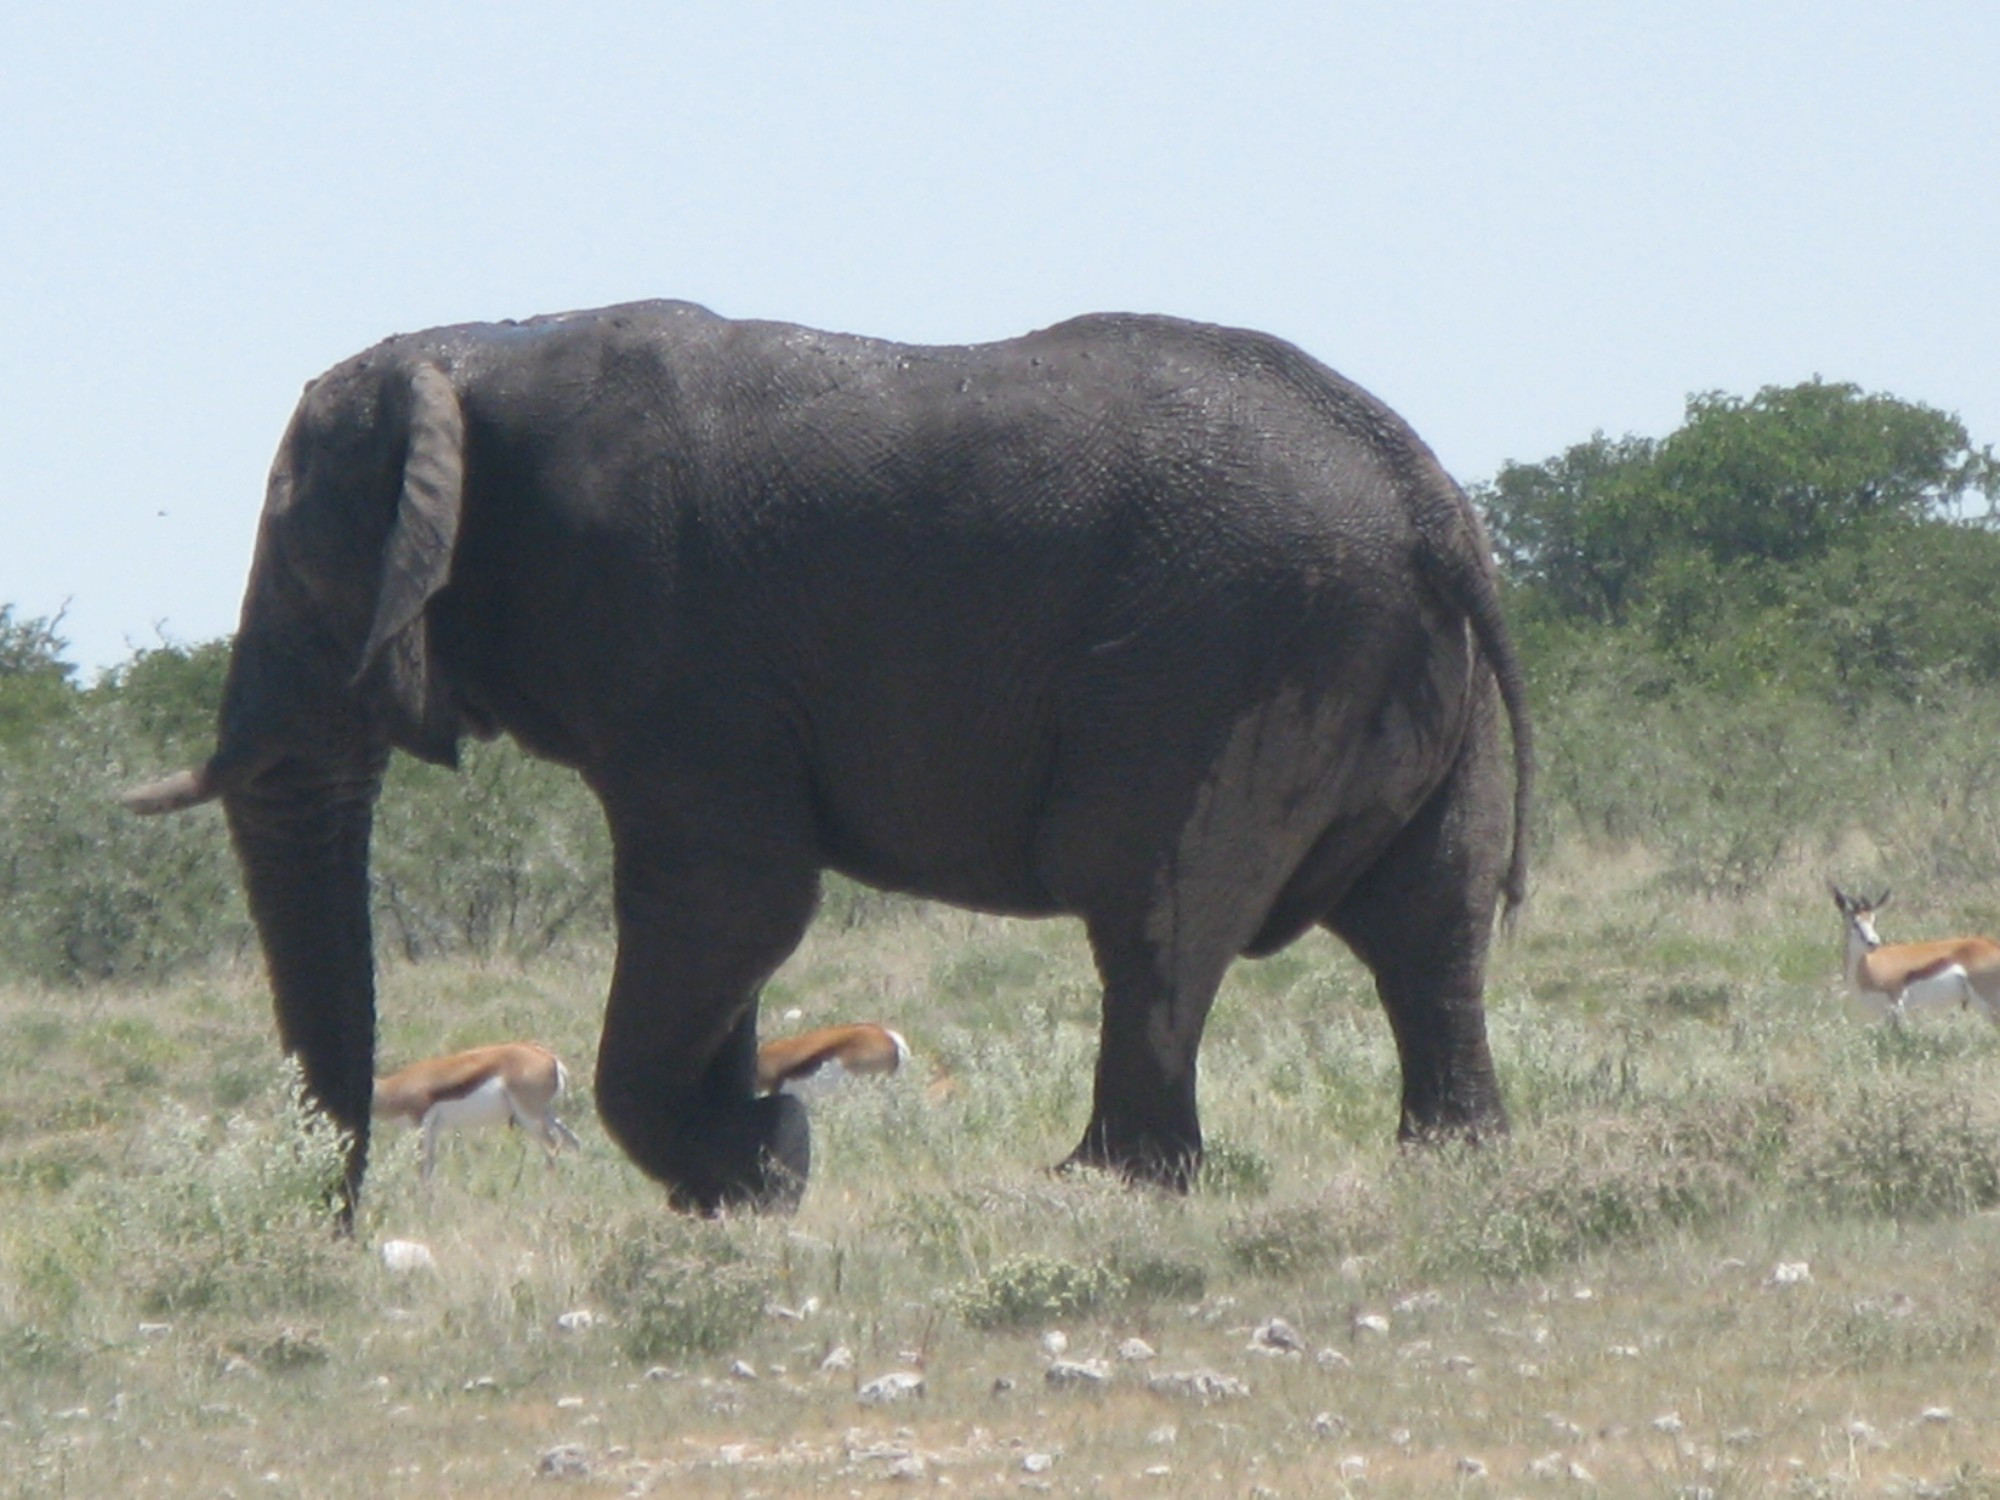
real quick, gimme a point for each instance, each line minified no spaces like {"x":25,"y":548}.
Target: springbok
{"x":828,"y":1052}
{"x":1916,"y":976}
{"x":514,"y":1083}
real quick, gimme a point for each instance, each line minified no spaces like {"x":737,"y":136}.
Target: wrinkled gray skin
{"x":1161,"y":625}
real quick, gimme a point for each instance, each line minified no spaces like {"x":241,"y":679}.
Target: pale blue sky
{"x":1516,"y":222}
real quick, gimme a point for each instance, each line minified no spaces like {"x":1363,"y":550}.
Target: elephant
{"x":1159,"y":625}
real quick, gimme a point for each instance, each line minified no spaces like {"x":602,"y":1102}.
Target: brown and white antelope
{"x":508,"y":1083}
{"x":828,"y":1053}
{"x":1902,"y":977}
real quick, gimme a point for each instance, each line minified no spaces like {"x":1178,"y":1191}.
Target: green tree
{"x":35,"y":686}
{"x":170,"y":694}
{"x":1604,"y":530}
{"x":1579,"y":529}
{"x":1797,"y":470}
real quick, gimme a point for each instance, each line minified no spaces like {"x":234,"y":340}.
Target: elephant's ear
{"x":415,"y":564}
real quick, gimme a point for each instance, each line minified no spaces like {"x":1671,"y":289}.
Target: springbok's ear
{"x":416,"y":563}
{"x":1880,"y":901}
{"x":1839,"y":896}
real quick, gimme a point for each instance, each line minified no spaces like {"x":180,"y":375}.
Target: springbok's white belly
{"x":1946,"y":989}
{"x":485,"y":1105}
{"x":827,"y":1077}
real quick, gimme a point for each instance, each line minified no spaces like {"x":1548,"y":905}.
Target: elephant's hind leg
{"x":1144,"y":1122}
{"x":675,"y":1068}
{"x":1422,"y":919}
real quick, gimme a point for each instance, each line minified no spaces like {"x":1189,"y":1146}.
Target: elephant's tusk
{"x":171,"y":794}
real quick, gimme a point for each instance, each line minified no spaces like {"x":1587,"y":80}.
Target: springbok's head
{"x":1859,"y":912}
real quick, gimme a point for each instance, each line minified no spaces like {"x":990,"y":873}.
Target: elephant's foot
{"x":757,"y":1156}
{"x":1446,"y":1122}
{"x":1169,"y":1160}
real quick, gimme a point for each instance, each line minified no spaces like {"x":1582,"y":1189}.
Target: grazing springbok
{"x":507,"y":1083}
{"x":829,"y":1052}
{"x":1962,"y":971}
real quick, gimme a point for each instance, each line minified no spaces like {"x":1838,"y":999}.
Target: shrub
{"x":1283,"y":1241}
{"x":236,"y":1217}
{"x":1233,"y":1169}
{"x":1162,"y":1278}
{"x":1025,"y":1289}
{"x":89,"y":892}
{"x":509,"y":855}
{"x":679,"y":1288}
{"x":1901,"y":1149}
{"x":1581,"y":1185}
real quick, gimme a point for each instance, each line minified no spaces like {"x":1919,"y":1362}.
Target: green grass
{"x":1695,"y":1104}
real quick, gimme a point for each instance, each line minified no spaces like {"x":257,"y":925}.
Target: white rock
{"x":1135,"y":1351}
{"x":1332,"y":1359}
{"x":570,"y":1403}
{"x":565,"y":1461}
{"x":1088,"y":1373}
{"x":1937,"y":1416}
{"x":1276,"y":1336}
{"x":1353,"y":1466}
{"x":839,"y":1357}
{"x":897,"y":1385}
{"x":1373,"y":1323}
{"x":1472,"y":1468}
{"x":1037,"y":1463}
{"x":1328,"y":1425}
{"x":1198,"y":1385}
{"x":1791,"y":1273}
{"x":404,"y":1256}
{"x":910,"y":1466}
{"x":742,"y":1370}
{"x":1419,"y":1302}
{"x":1055,"y":1342}
{"x":155,"y":1330}
{"x":579,"y":1320}
{"x":1670,"y":1423}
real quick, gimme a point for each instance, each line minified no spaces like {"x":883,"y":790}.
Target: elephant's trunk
{"x":301,"y":833}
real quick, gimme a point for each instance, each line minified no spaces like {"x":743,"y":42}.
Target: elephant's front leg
{"x":698,"y":934}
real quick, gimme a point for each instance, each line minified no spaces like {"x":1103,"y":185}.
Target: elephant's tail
{"x":1462,"y":562}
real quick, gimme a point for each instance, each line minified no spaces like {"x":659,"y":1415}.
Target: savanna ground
{"x":1742,"y":1242}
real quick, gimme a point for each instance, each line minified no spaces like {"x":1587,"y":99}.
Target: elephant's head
{"x":333,"y":665}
